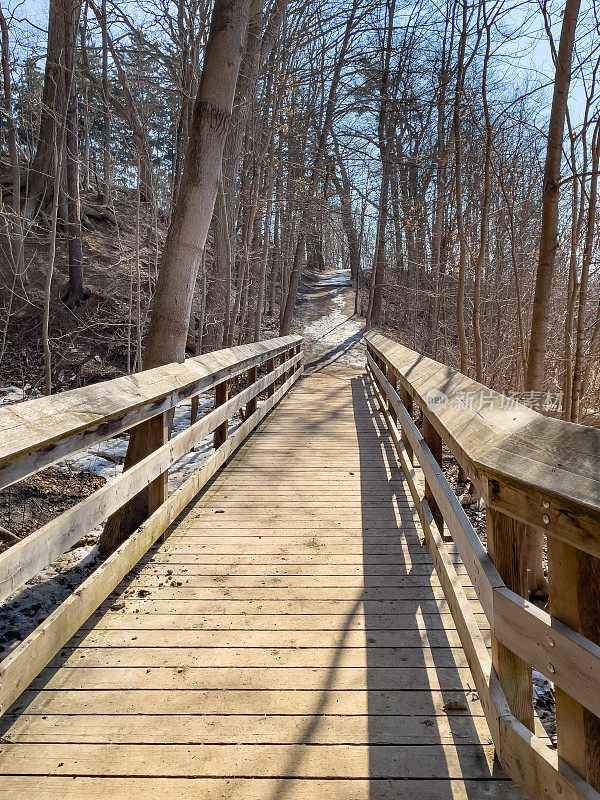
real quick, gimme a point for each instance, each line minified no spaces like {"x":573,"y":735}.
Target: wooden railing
{"x":40,"y":432}
{"x":531,"y":471}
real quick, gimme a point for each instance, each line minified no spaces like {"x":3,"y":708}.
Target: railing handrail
{"x":563,"y":644}
{"x":507,"y":441}
{"x":26,"y":558}
{"x":39,"y":432}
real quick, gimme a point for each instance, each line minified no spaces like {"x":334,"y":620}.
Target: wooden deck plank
{"x":468,"y":761}
{"x":74,"y":788}
{"x":257,"y":623}
{"x":289,"y":639}
{"x":247,"y":729}
{"x":263,"y":656}
{"x":245,"y":701}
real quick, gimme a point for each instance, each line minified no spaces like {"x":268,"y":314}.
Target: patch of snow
{"x":9,"y":395}
{"x":336,"y":337}
{"x":32,"y":604}
{"x":543,"y":700}
{"x":340,"y":277}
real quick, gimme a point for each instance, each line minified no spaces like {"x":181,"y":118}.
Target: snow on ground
{"x":106,"y":458}
{"x":335,"y":337}
{"x":339,"y":277}
{"x":543,"y":700}
{"x":9,"y":395}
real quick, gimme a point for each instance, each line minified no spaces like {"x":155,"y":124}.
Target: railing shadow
{"x":430,"y":682}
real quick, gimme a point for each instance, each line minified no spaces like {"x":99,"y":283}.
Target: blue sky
{"x":529,"y":52}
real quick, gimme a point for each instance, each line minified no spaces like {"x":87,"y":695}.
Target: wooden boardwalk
{"x":288,"y":641}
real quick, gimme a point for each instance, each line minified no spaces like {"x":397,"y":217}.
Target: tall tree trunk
{"x":62,"y":33}
{"x":440,"y":185}
{"x":378,"y":271}
{"x":485,"y":208}
{"x":344,"y":190}
{"x":15,"y":231}
{"x":76,"y":291}
{"x":588,"y":251}
{"x":106,"y":156}
{"x":218,"y":298}
{"x":577,"y":215}
{"x":262,"y":277}
{"x":460,"y":225}
{"x":549,"y":232}
{"x":185,"y":241}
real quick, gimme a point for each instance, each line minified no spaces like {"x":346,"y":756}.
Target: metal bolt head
{"x":551,"y":641}
{"x":546,"y":519}
{"x":546,"y":504}
{"x":551,"y":669}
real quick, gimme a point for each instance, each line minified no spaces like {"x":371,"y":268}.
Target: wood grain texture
{"x":34,"y":652}
{"x":26,"y":558}
{"x":39,"y":432}
{"x":493,"y":437}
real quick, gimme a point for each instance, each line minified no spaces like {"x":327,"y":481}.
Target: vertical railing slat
{"x":221,"y":395}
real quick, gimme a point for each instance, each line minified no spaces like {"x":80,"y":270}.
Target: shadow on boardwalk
{"x":421,"y":613}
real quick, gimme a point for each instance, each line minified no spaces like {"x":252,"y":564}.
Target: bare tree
{"x":186,"y":239}
{"x":549,"y":230}
{"x":62,"y":37}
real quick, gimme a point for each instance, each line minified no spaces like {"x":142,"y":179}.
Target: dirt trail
{"x":325,"y":317}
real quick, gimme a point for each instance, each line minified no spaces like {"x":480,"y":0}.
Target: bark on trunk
{"x":588,"y":252}
{"x":549,"y":232}
{"x":344,"y":190}
{"x":15,"y":224}
{"x":106,"y":156}
{"x":378,"y":272}
{"x":62,"y":32}
{"x":218,"y":297}
{"x":185,"y":240}
{"x":462,"y":254}
{"x":76,"y":291}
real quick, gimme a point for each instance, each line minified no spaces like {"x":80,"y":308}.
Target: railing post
{"x":381,"y":364}
{"x":221,"y":395}
{"x":271,"y":386}
{"x":282,"y":360}
{"x":393,"y":379}
{"x":292,"y":352}
{"x":252,"y":404}
{"x":158,"y":432}
{"x":573,"y":578}
{"x":507,"y":546}
{"x":434,"y":442}
{"x":407,"y":402}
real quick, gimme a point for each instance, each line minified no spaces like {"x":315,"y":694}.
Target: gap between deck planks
{"x":288,"y":641}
